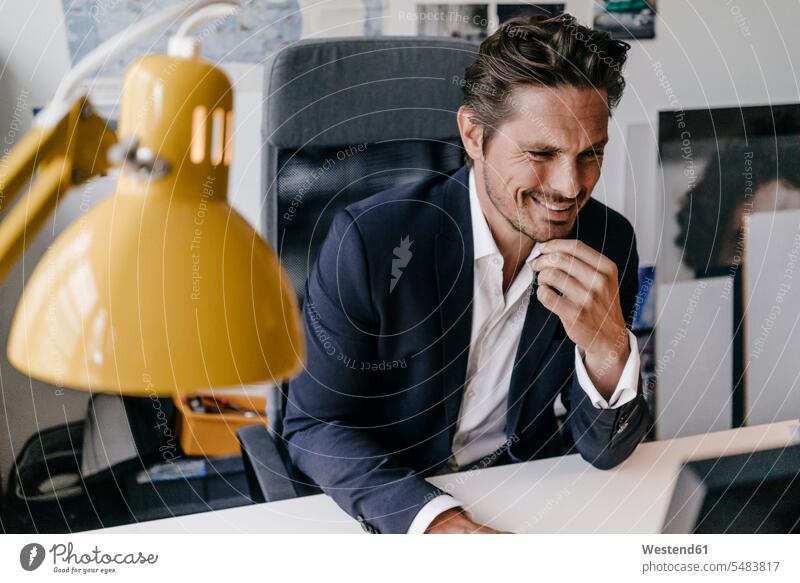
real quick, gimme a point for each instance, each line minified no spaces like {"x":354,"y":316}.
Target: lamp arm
{"x":218,"y":9}
{"x":40,"y":143}
{"x":54,"y":159}
{"x":51,"y":147}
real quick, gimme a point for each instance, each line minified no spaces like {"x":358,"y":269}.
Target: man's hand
{"x":457,"y":521}
{"x":588,"y":307}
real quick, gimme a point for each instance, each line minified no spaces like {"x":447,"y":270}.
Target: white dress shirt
{"x":497,"y":321}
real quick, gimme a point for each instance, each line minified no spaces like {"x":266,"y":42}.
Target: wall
{"x":33,"y":50}
{"x":714,"y":53}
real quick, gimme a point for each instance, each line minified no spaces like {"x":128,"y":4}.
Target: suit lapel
{"x":454,"y":279}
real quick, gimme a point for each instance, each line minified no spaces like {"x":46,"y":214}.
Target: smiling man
{"x":444,"y":318}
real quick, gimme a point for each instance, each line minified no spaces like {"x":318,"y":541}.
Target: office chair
{"x":344,"y":119}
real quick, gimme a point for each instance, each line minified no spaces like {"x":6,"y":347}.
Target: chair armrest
{"x":270,"y":474}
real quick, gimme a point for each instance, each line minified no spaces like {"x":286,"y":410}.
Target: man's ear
{"x":471,"y":133}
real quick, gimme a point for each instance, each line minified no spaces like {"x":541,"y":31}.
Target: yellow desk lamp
{"x":163,"y":287}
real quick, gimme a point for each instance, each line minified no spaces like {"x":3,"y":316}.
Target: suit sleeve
{"x":606,"y":437}
{"x":328,"y":411}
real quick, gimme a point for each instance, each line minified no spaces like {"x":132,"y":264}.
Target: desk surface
{"x":556,"y":495}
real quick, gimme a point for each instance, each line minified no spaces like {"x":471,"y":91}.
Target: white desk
{"x":557,"y":495}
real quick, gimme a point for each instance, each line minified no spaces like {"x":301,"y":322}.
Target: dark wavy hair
{"x":546,"y":52}
{"x":717,"y":202}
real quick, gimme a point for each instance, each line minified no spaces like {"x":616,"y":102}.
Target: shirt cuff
{"x":628,"y":383}
{"x":430,"y":511}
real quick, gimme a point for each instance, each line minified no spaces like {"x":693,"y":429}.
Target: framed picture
{"x":509,"y":11}
{"x":626,"y":19}
{"x":718,"y":166}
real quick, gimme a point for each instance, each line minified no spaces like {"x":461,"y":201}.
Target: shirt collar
{"x":482,"y":241}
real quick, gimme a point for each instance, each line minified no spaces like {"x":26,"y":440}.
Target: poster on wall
{"x":508,"y":11}
{"x":247,"y":37}
{"x":465,"y":21}
{"x":626,"y":19}
{"x":717,"y":167}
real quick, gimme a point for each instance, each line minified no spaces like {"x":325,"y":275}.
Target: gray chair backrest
{"x":346,"y":118}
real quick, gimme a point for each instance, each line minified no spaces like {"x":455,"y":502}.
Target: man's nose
{"x":563,"y":179}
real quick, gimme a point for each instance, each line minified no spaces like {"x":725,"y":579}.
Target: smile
{"x":553,"y":207}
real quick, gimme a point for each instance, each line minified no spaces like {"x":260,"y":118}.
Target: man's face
{"x":541,"y":165}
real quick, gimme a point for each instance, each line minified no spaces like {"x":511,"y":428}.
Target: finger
{"x":589,"y":277}
{"x":484,"y":529}
{"x":495,"y":531}
{"x":557,"y":304}
{"x":569,"y":286}
{"x":487,"y":530}
{"x":582,"y":251}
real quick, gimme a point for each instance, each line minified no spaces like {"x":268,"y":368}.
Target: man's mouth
{"x":556,"y":207}
{"x":556,"y":210}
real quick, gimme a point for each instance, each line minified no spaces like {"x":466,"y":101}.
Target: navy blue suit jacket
{"x":388,"y":322}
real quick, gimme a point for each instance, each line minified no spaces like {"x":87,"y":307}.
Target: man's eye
{"x":541,"y":155}
{"x":592,"y":154}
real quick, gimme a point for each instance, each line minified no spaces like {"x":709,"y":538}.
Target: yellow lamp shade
{"x":163,"y":287}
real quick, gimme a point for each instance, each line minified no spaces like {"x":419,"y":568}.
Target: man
{"x":445,"y":317}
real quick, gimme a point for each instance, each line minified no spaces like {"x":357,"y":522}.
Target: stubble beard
{"x":558,"y":231}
